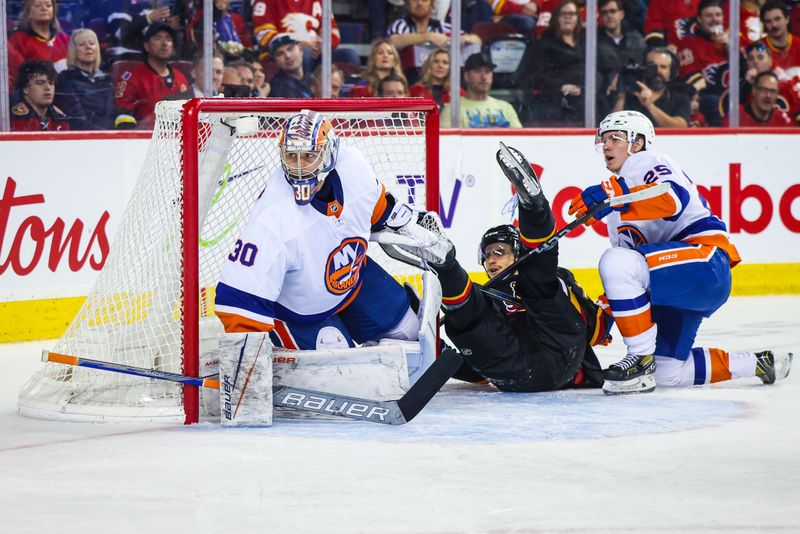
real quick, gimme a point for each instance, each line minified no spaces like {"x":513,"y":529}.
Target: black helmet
{"x":505,"y":233}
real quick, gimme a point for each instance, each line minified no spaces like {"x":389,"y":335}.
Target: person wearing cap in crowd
{"x":478,"y":109}
{"x":139,"y":89}
{"x":291,"y":80}
{"x":35,"y":112}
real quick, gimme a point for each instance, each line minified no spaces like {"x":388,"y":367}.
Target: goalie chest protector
{"x":295,"y":262}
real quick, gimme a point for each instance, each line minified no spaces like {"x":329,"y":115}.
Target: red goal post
{"x":193,"y":110}
{"x":136,"y":314}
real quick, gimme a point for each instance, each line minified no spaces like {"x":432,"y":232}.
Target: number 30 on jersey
{"x":244,"y":253}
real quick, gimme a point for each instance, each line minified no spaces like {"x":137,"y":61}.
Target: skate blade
{"x":644,"y":384}
{"x":783,"y":365}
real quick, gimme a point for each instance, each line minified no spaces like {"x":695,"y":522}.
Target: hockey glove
{"x":596,"y":194}
{"x":401,"y":215}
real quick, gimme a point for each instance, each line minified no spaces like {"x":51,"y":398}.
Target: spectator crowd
{"x":104,"y":64}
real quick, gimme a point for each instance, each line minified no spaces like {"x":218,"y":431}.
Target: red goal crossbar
{"x":192,"y":111}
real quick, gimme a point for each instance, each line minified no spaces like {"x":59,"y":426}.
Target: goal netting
{"x":152,"y":305}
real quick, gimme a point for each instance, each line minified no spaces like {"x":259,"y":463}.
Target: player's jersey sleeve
{"x":645,"y":170}
{"x":252,"y":277}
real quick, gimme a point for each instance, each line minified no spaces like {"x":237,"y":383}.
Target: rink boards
{"x":61,"y":202}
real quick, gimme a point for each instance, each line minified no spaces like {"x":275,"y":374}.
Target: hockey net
{"x":198,"y":185}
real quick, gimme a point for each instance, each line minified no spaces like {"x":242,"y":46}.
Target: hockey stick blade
{"x":396,"y":412}
{"x":650,"y":192}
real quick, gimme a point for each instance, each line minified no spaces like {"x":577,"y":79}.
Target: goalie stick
{"x":650,"y":192}
{"x":392,"y":412}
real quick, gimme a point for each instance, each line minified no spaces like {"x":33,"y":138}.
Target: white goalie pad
{"x":428,"y":316}
{"x":377,"y":372}
{"x":245,"y":379}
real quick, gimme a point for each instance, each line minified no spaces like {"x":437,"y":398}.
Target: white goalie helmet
{"x":632,"y":123}
{"x":308,"y":148}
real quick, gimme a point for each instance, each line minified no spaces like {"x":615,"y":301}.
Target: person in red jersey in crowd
{"x":751,"y":29}
{"x":39,"y":34}
{"x":302,"y":20}
{"x":140,"y":88}
{"x":35,"y":112}
{"x":762,"y":109}
{"x":759,"y":59}
{"x":704,"y":58}
{"x":784,"y":46}
{"x":664,"y":24}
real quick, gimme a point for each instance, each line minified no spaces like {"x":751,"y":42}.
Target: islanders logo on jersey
{"x":630,"y":236}
{"x":343,"y":269}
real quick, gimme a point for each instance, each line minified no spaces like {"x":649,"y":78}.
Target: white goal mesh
{"x":134,"y":315}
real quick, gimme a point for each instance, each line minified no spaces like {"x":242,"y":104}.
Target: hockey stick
{"x":393,"y":412}
{"x":650,"y":192}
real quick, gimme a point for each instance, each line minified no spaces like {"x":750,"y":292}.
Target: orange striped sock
{"x":720,"y":365}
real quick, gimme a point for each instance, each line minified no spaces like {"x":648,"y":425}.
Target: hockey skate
{"x":771,"y":367}
{"x":522,"y":177}
{"x":632,"y":374}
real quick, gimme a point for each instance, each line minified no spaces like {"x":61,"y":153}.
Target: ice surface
{"x":700,"y":459}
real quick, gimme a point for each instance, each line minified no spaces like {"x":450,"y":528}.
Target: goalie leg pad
{"x":245,"y":379}
{"x":428,"y":333}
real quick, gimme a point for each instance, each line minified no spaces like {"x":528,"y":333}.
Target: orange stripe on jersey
{"x":717,"y":240}
{"x":238,"y":323}
{"x":662,"y":258}
{"x":461,"y":297}
{"x":283,"y":334}
{"x":633,"y":325}
{"x":652,"y":208}
{"x":533,"y":242}
{"x":720,"y":368}
{"x":380,"y":206}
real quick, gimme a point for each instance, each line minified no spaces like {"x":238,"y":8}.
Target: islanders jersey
{"x":301,"y":264}
{"x":680,"y":214}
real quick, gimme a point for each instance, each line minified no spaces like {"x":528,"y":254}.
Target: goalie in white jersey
{"x":669,"y":267}
{"x":299,"y":269}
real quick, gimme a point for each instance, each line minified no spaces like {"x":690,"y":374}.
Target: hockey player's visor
{"x":609,"y":137}
{"x":496,"y":250}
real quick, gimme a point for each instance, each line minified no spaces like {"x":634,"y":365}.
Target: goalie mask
{"x":505,"y":233}
{"x":308,"y":148}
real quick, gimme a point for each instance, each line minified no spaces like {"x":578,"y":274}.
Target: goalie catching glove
{"x":421,"y":235}
{"x":596,"y":194}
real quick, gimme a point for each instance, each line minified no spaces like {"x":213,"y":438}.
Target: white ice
{"x":700,"y":459}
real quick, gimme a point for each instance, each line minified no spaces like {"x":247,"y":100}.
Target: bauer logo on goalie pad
{"x":227,"y":391}
{"x":343,"y":269}
{"x":327,"y":405}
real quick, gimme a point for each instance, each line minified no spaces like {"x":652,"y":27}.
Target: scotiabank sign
{"x":750,"y":180}
{"x":61,"y":201}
